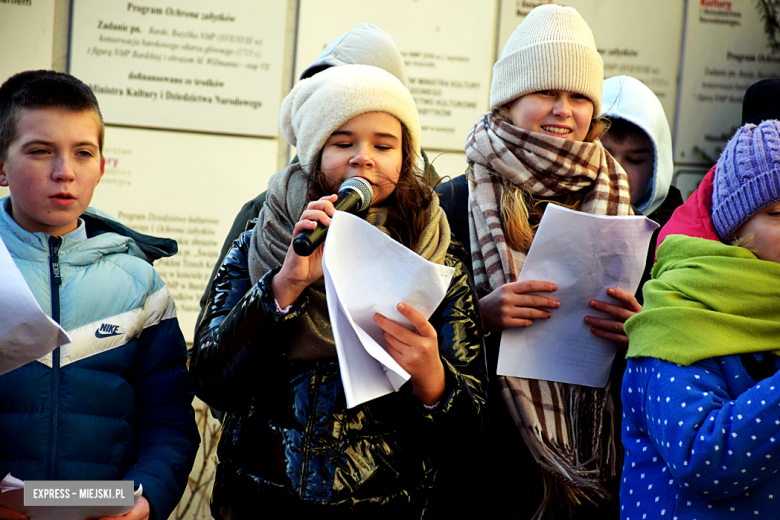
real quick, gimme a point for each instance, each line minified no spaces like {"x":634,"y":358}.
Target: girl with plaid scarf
{"x":538,"y":145}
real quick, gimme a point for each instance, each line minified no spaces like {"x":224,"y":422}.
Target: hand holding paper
{"x":367,"y":272}
{"x":140,"y":511}
{"x":612,"y":329}
{"x":511,"y":306}
{"x":417,"y":351}
{"x":583,"y":255}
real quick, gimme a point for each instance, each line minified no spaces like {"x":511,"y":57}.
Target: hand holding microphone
{"x":354,"y":196}
{"x":302,"y":264}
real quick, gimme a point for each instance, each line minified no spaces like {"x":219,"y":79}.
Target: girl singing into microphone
{"x":265,"y":352}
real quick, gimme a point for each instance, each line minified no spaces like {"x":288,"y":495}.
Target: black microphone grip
{"x":308,"y":241}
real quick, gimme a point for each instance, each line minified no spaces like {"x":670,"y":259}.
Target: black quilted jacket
{"x":290,"y":442}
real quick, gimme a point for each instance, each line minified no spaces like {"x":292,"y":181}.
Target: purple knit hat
{"x":747,"y":176}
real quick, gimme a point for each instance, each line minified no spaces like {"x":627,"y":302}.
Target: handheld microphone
{"x":355,"y":195}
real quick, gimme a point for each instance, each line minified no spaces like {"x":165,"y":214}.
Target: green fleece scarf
{"x":706,"y":299}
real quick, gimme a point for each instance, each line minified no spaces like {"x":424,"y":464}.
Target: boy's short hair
{"x":620,"y":130}
{"x":42,"y":89}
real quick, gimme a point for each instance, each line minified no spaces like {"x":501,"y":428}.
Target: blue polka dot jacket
{"x":702,"y":441}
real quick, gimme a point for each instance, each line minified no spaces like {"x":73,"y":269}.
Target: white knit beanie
{"x":318,"y":106}
{"x":553,"y":48}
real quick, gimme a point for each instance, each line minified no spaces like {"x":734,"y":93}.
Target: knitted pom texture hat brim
{"x":552,"y":49}
{"x":747,"y":177}
{"x":319,"y":105}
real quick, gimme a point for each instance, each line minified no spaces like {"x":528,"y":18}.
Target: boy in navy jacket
{"x":115,"y":403}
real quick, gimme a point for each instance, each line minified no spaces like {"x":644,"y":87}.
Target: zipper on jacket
{"x":308,"y":444}
{"x":55,"y":282}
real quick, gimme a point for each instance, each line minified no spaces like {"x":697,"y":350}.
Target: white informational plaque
{"x":184,"y":186}
{"x":447,"y":45}
{"x":197,"y":65}
{"x":26,"y":36}
{"x":727,"y":49}
{"x":634,"y":37}
{"x":584,"y":255}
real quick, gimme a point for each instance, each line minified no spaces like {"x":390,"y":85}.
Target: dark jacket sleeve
{"x":229,"y":350}
{"x":454,"y":200}
{"x":249,"y":211}
{"x":166,"y":436}
{"x":661,"y":215}
{"x":462,"y":408}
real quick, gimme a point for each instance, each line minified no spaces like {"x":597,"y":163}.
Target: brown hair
{"x":521,"y":212}
{"x":406,"y":206}
{"x":744,"y":242}
{"x":43,"y":89}
{"x":620,"y":130}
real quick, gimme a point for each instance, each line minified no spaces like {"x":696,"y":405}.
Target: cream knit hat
{"x":553,"y":48}
{"x":319,"y":105}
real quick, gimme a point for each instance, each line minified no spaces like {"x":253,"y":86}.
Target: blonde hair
{"x":743,"y":242}
{"x":520,"y":211}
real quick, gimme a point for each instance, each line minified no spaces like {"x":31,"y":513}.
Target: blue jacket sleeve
{"x":714,"y":444}
{"x":166,"y":436}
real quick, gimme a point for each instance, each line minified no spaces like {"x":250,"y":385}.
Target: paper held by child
{"x":584,"y":255}
{"x":26,"y":333}
{"x":367,"y":272}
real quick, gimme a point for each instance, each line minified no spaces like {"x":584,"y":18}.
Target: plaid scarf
{"x":568,"y":428}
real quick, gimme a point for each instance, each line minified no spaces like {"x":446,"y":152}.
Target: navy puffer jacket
{"x":114,"y":404}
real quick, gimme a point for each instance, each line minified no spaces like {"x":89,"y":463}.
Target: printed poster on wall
{"x":198,"y":65}
{"x":188,"y":187}
{"x":26,"y":36}
{"x":729,"y":45}
{"x":447,"y":45}
{"x":634,"y":37}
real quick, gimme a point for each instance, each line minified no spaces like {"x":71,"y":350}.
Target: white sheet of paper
{"x":368,"y":272}
{"x":12,"y":497}
{"x":584,"y":255}
{"x":26,"y":333}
